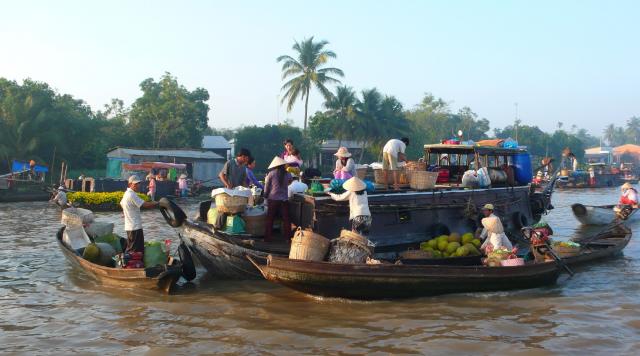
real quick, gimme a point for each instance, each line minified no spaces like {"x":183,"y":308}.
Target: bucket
{"x":255,"y":220}
{"x":351,"y":248}
{"x":309,"y":246}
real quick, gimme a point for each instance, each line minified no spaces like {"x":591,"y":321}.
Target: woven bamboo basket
{"x":351,"y":248}
{"x":378,"y":176}
{"x":231,"y":204}
{"x":422,"y":180}
{"x":254,"y":225}
{"x":309,"y":246}
{"x":361,"y":173}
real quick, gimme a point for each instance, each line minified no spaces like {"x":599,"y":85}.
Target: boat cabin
{"x":506,"y":166}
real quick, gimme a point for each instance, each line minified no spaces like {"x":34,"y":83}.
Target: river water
{"x":48,"y":307}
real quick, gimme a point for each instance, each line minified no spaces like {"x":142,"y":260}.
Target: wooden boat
{"x":138,"y":278}
{"x":383,"y":281}
{"x":224,"y":255}
{"x":599,"y":214}
{"x":607,"y":244}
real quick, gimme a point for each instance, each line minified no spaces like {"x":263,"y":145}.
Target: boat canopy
{"x":468,"y":149}
{"x":19,"y":166}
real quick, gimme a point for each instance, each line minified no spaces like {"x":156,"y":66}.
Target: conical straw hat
{"x":277,"y":162}
{"x":627,"y":185}
{"x":343,"y":152}
{"x":354,"y":184}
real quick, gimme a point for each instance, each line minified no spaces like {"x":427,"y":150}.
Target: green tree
{"x":633,"y":129}
{"x":342,"y":112}
{"x":169,"y":115}
{"x":307,"y":70}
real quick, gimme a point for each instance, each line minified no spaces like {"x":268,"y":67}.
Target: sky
{"x":575,"y":62}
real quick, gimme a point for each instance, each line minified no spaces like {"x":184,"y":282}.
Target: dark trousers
{"x":135,"y":241}
{"x":280,"y":207}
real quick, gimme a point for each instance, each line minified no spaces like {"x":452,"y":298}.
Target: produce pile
{"x":452,"y":245}
{"x":569,"y":244}
{"x":99,"y":201}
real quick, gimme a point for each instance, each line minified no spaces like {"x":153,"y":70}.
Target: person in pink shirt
{"x":182,"y":185}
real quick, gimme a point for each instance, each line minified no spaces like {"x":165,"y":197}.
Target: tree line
{"x":36,"y":122}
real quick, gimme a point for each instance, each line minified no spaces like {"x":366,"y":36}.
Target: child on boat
{"x":359,"y":213}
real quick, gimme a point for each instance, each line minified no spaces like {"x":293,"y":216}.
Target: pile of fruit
{"x":452,"y":245}
{"x":569,"y":244}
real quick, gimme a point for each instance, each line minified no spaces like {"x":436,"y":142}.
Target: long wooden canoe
{"x":602,"y":246}
{"x":384,"y":281}
{"x":135,"y":278}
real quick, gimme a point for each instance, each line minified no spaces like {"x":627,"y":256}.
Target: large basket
{"x":309,"y":246}
{"x":350,"y":248}
{"x":254,"y":225}
{"x":361,"y":173}
{"x":231,"y":204}
{"x":378,"y":175}
{"x":422,"y":180}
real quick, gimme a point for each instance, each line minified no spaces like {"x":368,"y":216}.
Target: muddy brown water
{"x":46,"y":306}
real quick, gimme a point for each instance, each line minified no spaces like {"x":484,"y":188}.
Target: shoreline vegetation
{"x":37,"y":122}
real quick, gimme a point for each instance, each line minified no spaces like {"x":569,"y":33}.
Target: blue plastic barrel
{"x":523,"y":171}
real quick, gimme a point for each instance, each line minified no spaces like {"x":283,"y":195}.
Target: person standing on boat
{"x":277,"y":195}
{"x":493,"y":231}
{"x":392,"y":153}
{"x":345,"y":165}
{"x":131,"y":204}
{"x":152,"y":186}
{"x":61,"y":197}
{"x":183,"y":187}
{"x":234,"y":174}
{"x":629,"y":195}
{"x":359,"y":213}
{"x":251,"y":178}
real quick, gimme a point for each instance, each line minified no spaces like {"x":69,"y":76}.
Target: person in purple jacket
{"x":251,"y":178}
{"x":277,"y":195}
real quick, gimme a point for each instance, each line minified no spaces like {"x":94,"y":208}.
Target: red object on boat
{"x":452,"y":141}
{"x":443,"y":175}
{"x":135,"y":264}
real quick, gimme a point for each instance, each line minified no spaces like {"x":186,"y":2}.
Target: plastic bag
{"x":235,"y":225}
{"x":154,"y":254}
{"x":483,"y":178}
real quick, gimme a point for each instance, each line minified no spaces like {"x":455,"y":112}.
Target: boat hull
{"x":598,"y":215}
{"x":220,"y":257}
{"x":400,"y":281}
{"x":608,"y":246}
{"x":119,"y":277}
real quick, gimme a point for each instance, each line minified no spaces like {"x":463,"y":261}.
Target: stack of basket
{"x":423,"y":180}
{"x":378,"y":175}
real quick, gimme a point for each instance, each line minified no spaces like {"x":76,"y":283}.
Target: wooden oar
{"x":558,"y":259}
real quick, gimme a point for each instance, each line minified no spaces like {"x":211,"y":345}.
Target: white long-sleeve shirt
{"x":358,"y":204}
{"x":497,"y":237}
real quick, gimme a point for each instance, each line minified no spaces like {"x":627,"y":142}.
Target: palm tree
{"x":307,"y":71}
{"x":342,"y":108}
{"x":610,"y":133}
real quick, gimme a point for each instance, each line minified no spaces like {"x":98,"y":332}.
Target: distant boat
{"x":24,"y":183}
{"x":599,"y":214}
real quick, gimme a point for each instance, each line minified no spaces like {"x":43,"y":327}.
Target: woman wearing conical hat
{"x":345,"y":165}
{"x":493,"y":231}
{"x":359,"y":214}
{"x":629,"y":195}
{"x":276,"y":193}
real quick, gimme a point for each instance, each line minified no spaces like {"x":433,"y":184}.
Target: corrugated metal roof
{"x":167,"y":153}
{"x":215,"y":142}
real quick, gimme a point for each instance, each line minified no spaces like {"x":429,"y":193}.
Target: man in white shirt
{"x":61,"y":197}
{"x":131,"y":204}
{"x":392,"y":153}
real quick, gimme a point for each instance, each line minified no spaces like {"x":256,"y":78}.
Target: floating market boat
{"x":598,"y":175}
{"x":384,"y":281}
{"x":606,"y":244}
{"x":163,"y":279}
{"x":401,"y":220}
{"x":24,"y":183}
{"x":411,"y":215}
{"x":600,"y":214}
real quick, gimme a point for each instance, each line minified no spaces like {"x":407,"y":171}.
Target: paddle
{"x":558,"y":259}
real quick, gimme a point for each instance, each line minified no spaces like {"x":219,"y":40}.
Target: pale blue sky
{"x":570,"y":61}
